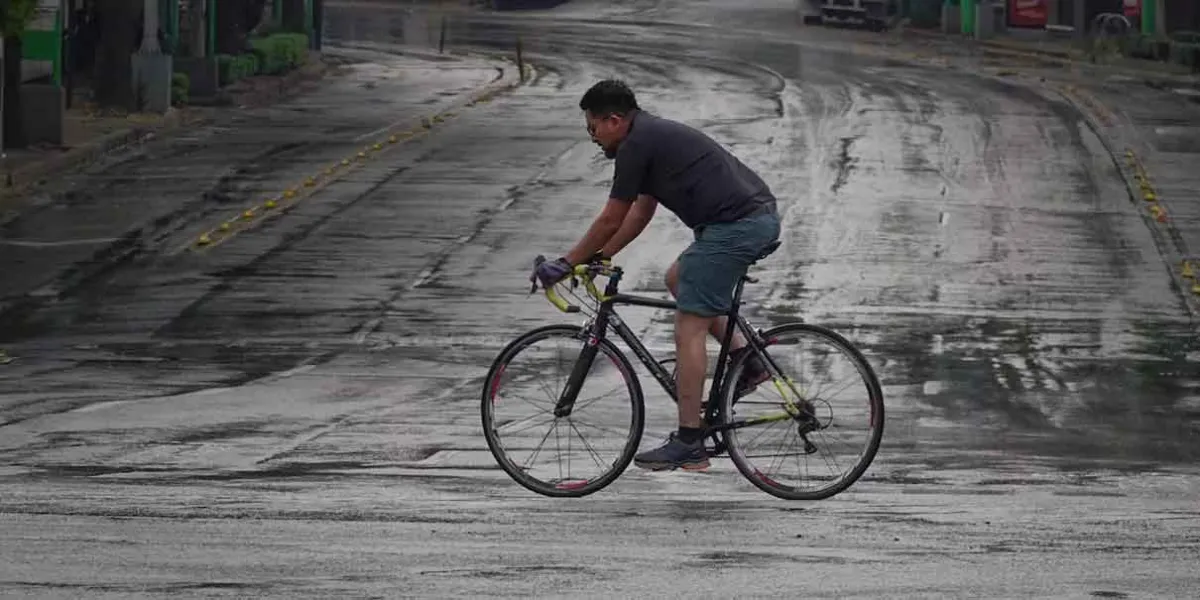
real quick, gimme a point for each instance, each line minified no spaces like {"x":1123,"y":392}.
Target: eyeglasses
{"x":591,"y":127}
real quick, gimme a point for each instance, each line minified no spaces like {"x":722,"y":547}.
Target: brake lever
{"x":537,"y":262}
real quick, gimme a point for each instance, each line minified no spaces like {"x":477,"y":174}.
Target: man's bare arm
{"x":607,"y":223}
{"x":635,"y":222}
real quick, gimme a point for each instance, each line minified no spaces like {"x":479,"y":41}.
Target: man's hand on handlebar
{"x":549,"y":272}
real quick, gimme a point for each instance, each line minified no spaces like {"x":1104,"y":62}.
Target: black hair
{"x":609,"y":96}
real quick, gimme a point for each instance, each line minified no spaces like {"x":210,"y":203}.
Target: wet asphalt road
{"x":295,"y":413}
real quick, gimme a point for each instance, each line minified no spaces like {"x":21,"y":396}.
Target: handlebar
{"x":585,"y":272}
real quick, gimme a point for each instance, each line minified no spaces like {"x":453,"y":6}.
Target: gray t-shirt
{"x":687,"y":171}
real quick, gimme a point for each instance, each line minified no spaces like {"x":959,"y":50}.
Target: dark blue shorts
{"x":710,"y":268}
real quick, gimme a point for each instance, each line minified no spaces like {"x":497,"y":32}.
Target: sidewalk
{"x":84,"y":223}
{"x":1059,"y":52}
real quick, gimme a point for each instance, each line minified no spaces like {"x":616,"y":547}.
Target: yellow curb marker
{"x":1160,"y":214}
{"x":313,"y":183}
{"x":1187,"y":270}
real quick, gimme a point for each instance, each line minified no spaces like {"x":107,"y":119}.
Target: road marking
{"x":38,"y":244}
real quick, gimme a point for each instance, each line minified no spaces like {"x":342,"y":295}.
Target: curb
{"x":277,"y":88}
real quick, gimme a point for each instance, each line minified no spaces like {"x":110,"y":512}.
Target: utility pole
{"x":3,"y":75}
{"x":152,"y":69}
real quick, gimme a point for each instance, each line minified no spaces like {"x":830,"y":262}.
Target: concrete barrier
{"x":43,"y":109}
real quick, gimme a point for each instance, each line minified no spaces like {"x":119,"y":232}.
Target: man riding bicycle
{"x":732,"y":213}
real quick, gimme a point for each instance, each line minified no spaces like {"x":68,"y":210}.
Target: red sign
{"x":1133,"y":8}
{"x":1027,"y":13}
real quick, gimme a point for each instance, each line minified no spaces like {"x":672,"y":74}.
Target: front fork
{"x":566,"y":401}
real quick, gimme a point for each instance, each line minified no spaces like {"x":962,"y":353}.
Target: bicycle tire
{"x":736,"y":453}
{"x":490,"y":387}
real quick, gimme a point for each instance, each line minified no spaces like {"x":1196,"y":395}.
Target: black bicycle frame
{"x":607,"y":316}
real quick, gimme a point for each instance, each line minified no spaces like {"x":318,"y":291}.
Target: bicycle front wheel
{"x":797,"y":458}
{"x":573,"y":455}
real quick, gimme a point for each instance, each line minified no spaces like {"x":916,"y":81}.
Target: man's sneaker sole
{"x":669,"y":466}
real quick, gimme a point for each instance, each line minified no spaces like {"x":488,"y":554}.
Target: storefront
{"x":1028,"y":13}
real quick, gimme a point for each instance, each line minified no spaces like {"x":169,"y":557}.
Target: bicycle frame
{"x":606,"y":316}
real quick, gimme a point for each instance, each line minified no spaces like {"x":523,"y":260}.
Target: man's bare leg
{"x":692,"y":356}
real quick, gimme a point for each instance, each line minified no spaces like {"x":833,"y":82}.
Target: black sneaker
{"x":675,"y":454}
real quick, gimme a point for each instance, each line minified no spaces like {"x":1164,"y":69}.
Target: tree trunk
{"x":119,"y":20}
{"x":14,"y":130}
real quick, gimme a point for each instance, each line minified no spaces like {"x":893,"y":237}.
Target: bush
{"x":180,"y":85}
{"x":280,"y":52}
{"x":231,"y":69}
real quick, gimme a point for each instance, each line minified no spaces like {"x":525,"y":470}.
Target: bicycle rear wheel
{"x":593,"y":445}
{"x":849,"y":413}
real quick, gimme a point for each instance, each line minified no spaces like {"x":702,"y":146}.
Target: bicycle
{"x":807,"y":414}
